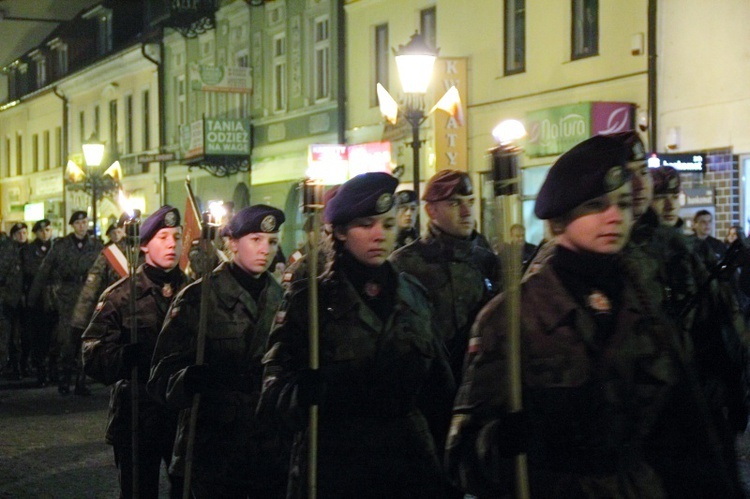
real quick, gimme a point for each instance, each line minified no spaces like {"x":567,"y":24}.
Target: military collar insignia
{"x":167,"y":291}
{"x":384,"y":203}
{"x":372,"y":289}
{"x":79,"y":244}
{"x":268,"y":224}
{"x":170,"y":219}
{"x":599,"y":302}
{"x":614,"y":178}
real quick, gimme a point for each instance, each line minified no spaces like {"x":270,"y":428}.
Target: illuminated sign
{"x":680,"y":162}
{"x":336,"y":163}
{"x":33,"y":211}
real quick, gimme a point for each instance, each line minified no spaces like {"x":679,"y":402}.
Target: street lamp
{"x":414,"y":62}
{"x":93,"y":153}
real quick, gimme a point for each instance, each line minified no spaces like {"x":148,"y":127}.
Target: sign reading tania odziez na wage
{"x":554,"y":130}
{"x":215,"y":137}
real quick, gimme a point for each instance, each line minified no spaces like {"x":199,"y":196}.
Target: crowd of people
{"x":633,"y":343}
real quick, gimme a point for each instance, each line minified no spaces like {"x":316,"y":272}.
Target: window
{"x":19,"y":154}
{"x":104,"y":33}
{"x":6,"y":166}
{"x":46,"y":149}
{"x":97,"y":122}
{"x":62,"y":59}
{"x":82,"y":127}
{"x":181,"y":110}
{"x":240,"y":100}
{"x":146,"y":116}
{"x":515,"y":36}
{"x":113,"y":126}
{"x":585,"y":29}
{"x":321,"y":58}
{"x":428,"y":25}
{"x":381,"y":61}
{"x":41,"y":72}
{"x":129,"y":124}
{"x":35,"y":152}
{"x":58,"y":146}
{"x":279,"y":72}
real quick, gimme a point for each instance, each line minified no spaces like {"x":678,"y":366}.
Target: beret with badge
{"x":256,"y":218}
{"x":666,"y":180}
{"x":406,"y":197}
{"x":589,"y":170}
{"x":447,"y":183}
{"x":365,"y":195}
{"x":163,"y":218}
{"x":76,"y":216}
{"x":17,"y":226}
{"x":41,"y":224}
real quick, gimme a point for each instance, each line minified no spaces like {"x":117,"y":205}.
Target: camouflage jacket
{"x":227,"y":430}
{"x":595,"y":405}
{"x":383,"y":380}
{"x":460,"y":277}
{"x":102,"y":349}
{"x":64,"y":269}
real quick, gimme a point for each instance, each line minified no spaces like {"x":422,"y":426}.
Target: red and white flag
{"x":192,"y":227}
{"x":116,"y":259}
{"x":451,"y":104}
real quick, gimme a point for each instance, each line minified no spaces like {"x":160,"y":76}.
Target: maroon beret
{"x":447,"y":183}
{"x":666,"y":180}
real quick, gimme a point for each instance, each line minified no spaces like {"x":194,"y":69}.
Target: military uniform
{"x":62,"y":274}
{"x":10,"y":295}
{"x":106,"y":359}
{"x":374,"y":440}
{"x":460,"y":275}
{"x":234,"y":451}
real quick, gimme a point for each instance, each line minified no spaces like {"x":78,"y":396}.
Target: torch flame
{"x":217,"y":210}
{"x":74,"y":172}
{"x":125,"y":204}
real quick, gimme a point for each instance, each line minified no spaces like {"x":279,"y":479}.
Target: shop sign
{"x":451,"y":132}
{"x":205,"y":78}
{"x":369,"y":157}
{"x":47,"y":185}
{"x":554,"y":130}
{"x":226,"y":137}
{"x":191,"y":139}
{"x":694,"y":163}
{"x":336,"y":163}
{"x":698,"y":196}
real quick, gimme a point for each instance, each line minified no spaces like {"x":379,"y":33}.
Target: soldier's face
{"x":454,"y":215}
{"x":44,"y":234}
{"x":702,"y":226}
{"x":667,"y":207}
{"x":116,"y":235}
{"x":164,"y":249}
{"x":80,"y":227}
{"x":406,"y":215}
{"x":21,"y":235}
{"x":643,"y":186}
{"x":254,"y":252}
{"x":600,"y":225}
{"x":518,"y":235}
{"x":370,"y":239}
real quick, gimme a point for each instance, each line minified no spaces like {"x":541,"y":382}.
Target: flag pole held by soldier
{"x":209,"y":231}
{"x":312,"y":204}
{"x":505,"y":177}
{"x":132,"y":230}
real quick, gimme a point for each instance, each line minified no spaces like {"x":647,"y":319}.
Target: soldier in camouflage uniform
{"x":452,"y":261}
{"x":109,"y":354}
{"x":236,"y":454}
{"x":599,"y":364}
{"x":42,"y":316}
{"x":381,"y":364}
{"x":64,"y":269}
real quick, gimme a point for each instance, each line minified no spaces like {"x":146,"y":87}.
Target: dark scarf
{"x":80,"y":243}
{"x":375,"y":285}
{"x":249,"y":282}
{"x":595,"y":281}
{"x":160,"y":277}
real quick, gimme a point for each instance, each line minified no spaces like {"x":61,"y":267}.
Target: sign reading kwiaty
{"x":555,"y":130}
{"x":206,"y":78}
{"x":451,"y":132}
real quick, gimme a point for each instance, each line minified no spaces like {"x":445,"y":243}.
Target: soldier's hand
{"x":196,"y":378}
{"x":310,"y":387}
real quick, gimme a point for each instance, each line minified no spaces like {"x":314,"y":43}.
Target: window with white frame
{"x":82,"y":126}
{"x":585,"y":28}
{"x":113,"y":130}
{"x":41,"y":71}
{"x":380,"y":73}
{"x":515,"y":36}
{"x":146,"y":120}
{"x":46,"y":146}
{"x":322,"y":57}
{"x":279,"y":72}
{"x":128,"y":124}
{"x":58,"y":146}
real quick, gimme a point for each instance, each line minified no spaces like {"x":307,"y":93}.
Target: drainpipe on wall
{"x":161,"y":115}
{"x":652,"y":94}
{"x":64,"y":151}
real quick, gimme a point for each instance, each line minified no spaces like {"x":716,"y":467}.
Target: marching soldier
{"x":381,"y":364}
{"x":407,"y":205}
{"x":109,"y":355}
{"x":42,"y":316}
{"x":236,"y":454}
{"x":599,"y":364}
{"x":63,"y":273}
{"x":452,"y":261}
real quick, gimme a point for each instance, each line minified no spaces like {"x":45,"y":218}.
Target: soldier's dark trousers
{"x":20,"y":341}
{"x":5,"y":335}
{"x":41,"y":325}
{"x":151,"y":454}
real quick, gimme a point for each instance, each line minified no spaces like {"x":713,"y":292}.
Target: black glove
{"x":134,"y":354}
{"x":196,"y":378}
{"x":310,"y":387}
{"x":512,"y":433}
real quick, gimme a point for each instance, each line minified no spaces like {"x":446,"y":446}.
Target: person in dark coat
{"x":110,"y":354}
{"x":382,"y":368}
{"x":62,"y":274}
{"x":236,"y":453}
{"x":19,"y":342}
{"x":42,"y":316}
{"x":599,"y":363}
